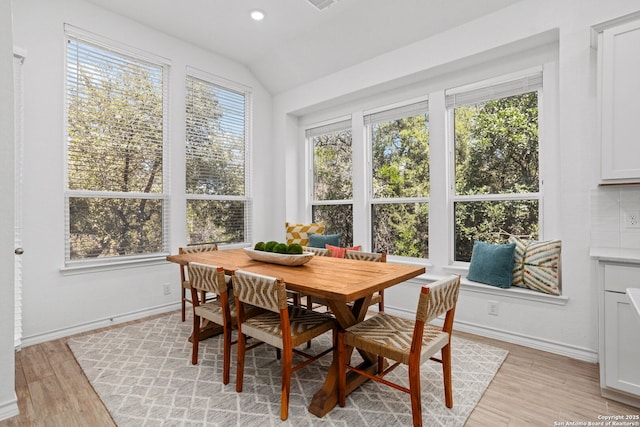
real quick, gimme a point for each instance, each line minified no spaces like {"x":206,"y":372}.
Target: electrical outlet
{"x":632,"y":219}
{"x":167,"y":288}
{"x":492,"y":308}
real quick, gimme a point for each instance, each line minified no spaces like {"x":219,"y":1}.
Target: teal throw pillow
{"x":492,"y":264}
{"x":320,"y":240}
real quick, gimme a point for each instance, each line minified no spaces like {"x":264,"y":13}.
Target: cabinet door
{"x":620,"y":98}
{"x":622,"y":344}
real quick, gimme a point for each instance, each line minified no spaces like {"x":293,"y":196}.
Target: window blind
{"x":409,"y":110}
{"x":459,"y":96}
{"x":116,"y":101}
{"x":337,"y":126}
{"x":115,"y":112}
{"x":217,"y":170}
{"x":18,"y":101}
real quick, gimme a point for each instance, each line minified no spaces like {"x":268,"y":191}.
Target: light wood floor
{"x":532,"y":388}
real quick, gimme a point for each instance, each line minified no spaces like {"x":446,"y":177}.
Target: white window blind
{"x":463,"y":96}
{"x":116,"y":104}
{"x":18,"y":100}
{"x":397,"y":113}
{"x":217,"y":169}
{"x":338,"y":126}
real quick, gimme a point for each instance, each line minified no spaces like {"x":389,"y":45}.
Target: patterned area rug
{"x":144,"y":376}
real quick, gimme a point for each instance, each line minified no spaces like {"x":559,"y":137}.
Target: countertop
{"x":634,"y":296}
{"x":616,"y":254}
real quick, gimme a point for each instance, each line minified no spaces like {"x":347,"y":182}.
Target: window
{"x":332,"y":183}
{"x":399,"y":142}
{"x":495,"y":162}
{"x":217,"y":172}
{"x":116,"y":103}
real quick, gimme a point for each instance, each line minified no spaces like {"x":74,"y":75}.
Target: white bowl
{"x":282,"y":259}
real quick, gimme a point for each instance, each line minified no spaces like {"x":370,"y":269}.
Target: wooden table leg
{"x":208,"y":330}
{"x":327,"y":397}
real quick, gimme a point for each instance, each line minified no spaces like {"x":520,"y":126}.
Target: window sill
{"x":513,"y":292}
{"x":84,"y":267}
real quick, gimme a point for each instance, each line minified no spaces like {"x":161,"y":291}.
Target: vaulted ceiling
{"x":296,"y":42}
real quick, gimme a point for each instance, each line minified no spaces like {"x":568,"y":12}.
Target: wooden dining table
{"x":347,"y":286}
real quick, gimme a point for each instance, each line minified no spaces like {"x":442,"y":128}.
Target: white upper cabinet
{"x":619,"y":97}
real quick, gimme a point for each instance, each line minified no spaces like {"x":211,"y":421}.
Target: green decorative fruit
{"x":268,"y":247}
{"x":259,"y":246}
{"x":294,"y":249}
{"x":280,"y":248}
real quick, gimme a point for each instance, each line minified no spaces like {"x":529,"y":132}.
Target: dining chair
{"x":185,"y":293}
{"x":378,"y":297}
{"x":316,"y":251}
{"x":283,"y":326}
{"x":221,"y":311}
{"x":406,"y":342}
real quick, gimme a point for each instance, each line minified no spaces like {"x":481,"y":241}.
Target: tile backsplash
{"x":615,"y":217}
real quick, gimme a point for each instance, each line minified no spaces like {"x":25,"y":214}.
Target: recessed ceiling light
{"x":257,"y":15}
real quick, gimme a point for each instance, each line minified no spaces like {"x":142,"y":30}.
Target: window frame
{"x":387,"y":113}
{"x":316,"y":129}
{"x":531,"y":80}
{"x":247,"y":198}
{"x":108,"y":45}
{"x":441,"y":240}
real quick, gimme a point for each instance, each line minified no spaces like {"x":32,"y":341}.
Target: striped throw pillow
{"x":537,"y":265}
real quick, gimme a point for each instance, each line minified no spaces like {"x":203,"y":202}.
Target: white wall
{"x":572,"y":153}
{"x":57,"y":303}
{"x":8,"y":401}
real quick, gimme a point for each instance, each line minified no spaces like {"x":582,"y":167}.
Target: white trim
{"x":466,"y":285}
{"x":94,"y":265}
{"x":96,"y":324}
{"x":19,"y":57}
{"x":393,"y":106}
{"x":9,"y":408}
{"x":108,"y":45}
{"x":111,"y":45}
{"x":218,"y":81}
{"x":505,"y":78}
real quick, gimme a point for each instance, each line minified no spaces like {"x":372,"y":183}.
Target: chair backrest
{"x":262,"y":291}
{"x":207,"y":278}
{"x":438,"y":298}
{"x":366,"y":256}
{"x":198,"y":248}
{"x":317,"y":251}
{"x":191,"y":250}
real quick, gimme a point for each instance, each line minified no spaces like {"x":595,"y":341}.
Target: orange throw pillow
{"x":338,"y":252}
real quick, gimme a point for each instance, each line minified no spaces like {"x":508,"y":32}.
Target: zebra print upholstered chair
{"x":206,"y":278}
{"x":185,"y":293}
{"x":283,"y":326}
{"x":378,"y":297}
{"x":406,"y":342}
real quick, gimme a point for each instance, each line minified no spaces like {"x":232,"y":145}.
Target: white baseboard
{"x":9,"y":408}
{"x":96,"y":324}
{"x":574,"y":352}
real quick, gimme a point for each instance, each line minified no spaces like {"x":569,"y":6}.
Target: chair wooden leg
{"x":446,"y":375}
{"x":195,"y":339}
{"x":226,"y":364}
{"x":183,"y":305}
{"x":242,"y":342}
{"x":414,"y":387}
{"x":287,"y":361}
{"x":342,"y":370}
